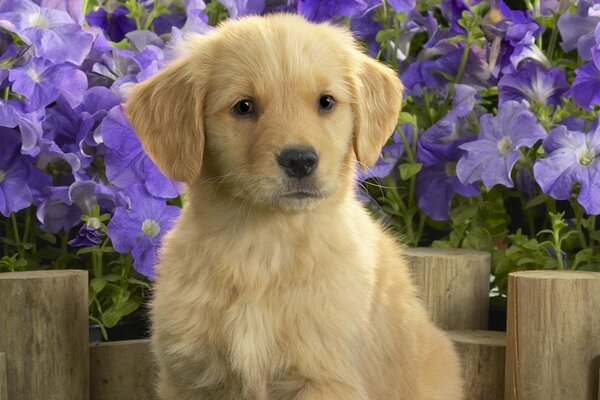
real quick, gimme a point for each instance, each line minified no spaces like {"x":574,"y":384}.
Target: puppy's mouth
{"x":302,"y":195}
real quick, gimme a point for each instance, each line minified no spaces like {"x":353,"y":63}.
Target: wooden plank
{"x":3,"y":380}
{"x":552,"y":335}
{"x":454,"y":284}
{"x":44,"y":333}
{"x":122,"y":370}
{"x":482,"y":354}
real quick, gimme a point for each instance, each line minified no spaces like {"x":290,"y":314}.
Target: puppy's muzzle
{"x":298,"y":162}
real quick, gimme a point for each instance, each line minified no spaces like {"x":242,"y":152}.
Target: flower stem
{"x":6,"y":93}
{"x":463,"y":60}
{"x":13,"y":217}
{"x":578,"y":219}
{"x":427,"y":104}
{"x":592,"y":226}
{"x":553,"y":38}
{"x":27,"y":225}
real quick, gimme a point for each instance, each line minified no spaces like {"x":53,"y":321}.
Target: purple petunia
{"x":435,"y":73}
{"x":577,"y":30}
{"x":448,"y":127}
{"x":41,"y":82}
{"x":63,"y":206}
{"x":390,"y":154}
{"x":573,"y":157}
{"x":323,"y":10}
{"x":492,"y":157}
{"x":88,"y":235}
{"x":586,"y":85}
{"x":15,"y":193}
{"x":126,"y":162}
{"x":54,"y":34}
{"x":237,"y":8}
{"x":437,"y":183}
{"x":534,"y":83}
{"x":116,"y":23}
{"x":140,"y":229}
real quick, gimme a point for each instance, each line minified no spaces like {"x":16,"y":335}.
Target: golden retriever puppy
{"x":275,"y":282}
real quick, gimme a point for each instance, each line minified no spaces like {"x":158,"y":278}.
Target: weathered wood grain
{"x":44,"y":334}
{"x":3,"y":380}
{"x":122,"y":371}
{"x":553,"y":335}
{"x":454,"y":284}
{"x":482,"y":354}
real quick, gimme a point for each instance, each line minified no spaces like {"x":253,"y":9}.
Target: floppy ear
{"x":379,"y":100}
{"x":166,"y":112}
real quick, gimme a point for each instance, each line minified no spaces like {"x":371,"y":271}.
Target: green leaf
{"x":537,"y":200}
{"x":110,"y":318}
{"x":97,"y":284}
{"x":47,"y":237}
{"x":123,"y":44}
{"x":407,"y":171}
{"x":406,"y":118}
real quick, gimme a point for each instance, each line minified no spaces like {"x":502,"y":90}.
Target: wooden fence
{"x":551,"y":350}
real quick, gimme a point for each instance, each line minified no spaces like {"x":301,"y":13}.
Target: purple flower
{"x":237,"y":8}
{"x":390,"y":154}
{"x":15,"y":193}
{"x":53,"y":33}
{"x":126,"y":162}
{"x":87,"y":236}
{"x":72,"y":7}
{"x":513,"y":41}
{"x":534,"y":83}
{"x":42,"y":82}
{"x":64,"y":205}
{"x":434,"y":73}
{"x":492,"y":157}
{"x":452,"y":12}
{"x":141,"y":228}
{"x":586,"y":85}
{"x":165,"y":22}
{"x":402,"y":5}
{"x":573,"y":157}
{"x":323,"y":10}
{"x":577,"y":30}
{"x":437,"y":182}
{"x":447,"y":128}
{"x":116,"y":23}
{"x":520,"y":46}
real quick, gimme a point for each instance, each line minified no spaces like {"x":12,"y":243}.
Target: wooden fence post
{"x":454,"y":283}
{"x":482,"y":354}
{"x":44,"y":334}
{"x":122,"y":371}
{"x":553,"y":335}
{"x":3,"y":382}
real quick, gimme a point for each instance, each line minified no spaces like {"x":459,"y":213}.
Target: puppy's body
{"x":276,"y":284}
{"x":313,"y":305}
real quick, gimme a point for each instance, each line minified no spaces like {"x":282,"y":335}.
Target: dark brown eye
{"x":243,"y":107}
{"x":326,"y":103}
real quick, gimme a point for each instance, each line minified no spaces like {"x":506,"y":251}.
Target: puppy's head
{"x":275,"y":110}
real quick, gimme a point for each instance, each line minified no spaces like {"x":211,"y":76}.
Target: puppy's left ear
{"x":166,"y":112}
{"x":379,"y":92}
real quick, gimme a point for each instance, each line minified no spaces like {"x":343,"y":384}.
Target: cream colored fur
{"x":262,"y":296}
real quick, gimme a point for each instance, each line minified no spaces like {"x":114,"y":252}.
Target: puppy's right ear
{"x":166,"y":112}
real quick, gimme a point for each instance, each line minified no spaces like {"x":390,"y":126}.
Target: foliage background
{"x":497,"y":147}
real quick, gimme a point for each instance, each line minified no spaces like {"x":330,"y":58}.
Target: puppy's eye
{"x":326,"y":103}
{"x":243,"y":108}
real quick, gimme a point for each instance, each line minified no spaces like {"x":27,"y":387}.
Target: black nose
{"x":298,"y":162}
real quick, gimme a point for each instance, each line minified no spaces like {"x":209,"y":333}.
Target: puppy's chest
{"x":277,"y":304}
